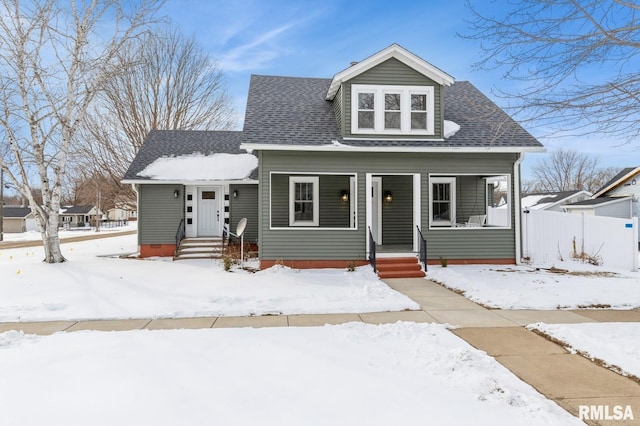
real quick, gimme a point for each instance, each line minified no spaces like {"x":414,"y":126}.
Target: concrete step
{"x":388,"y":267}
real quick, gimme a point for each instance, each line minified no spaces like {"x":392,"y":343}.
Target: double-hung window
{"x":303,"y":201}
{"x":443,"y":201}
{"x":398,"y":110}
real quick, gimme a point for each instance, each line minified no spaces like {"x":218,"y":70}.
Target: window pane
{"x":418,"y":102}
{"x":304,"y":211}
{"x":391,"y":120}
{"x":419,"y":120}
{"x":365,"y":101}
{"x":365,"y":120}
{"x":208,"y":195}
{"x":392,"y":102}
{"x":441,"y":211}
{"x":441,"y":192}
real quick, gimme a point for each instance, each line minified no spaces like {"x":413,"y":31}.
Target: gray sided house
{"x":387,"y":152}
{"x":195,"y":180}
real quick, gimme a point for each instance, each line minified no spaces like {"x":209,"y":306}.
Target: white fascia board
{"x":618,"y":182}
{"x":393,"y":51}
{"x":189,"y":182}
{"x":250,"y":147}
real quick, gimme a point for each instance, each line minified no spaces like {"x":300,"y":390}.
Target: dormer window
{"x":400,"y":110}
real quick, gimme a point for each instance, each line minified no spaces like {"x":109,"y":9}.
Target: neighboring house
{"x":624,"y":184}
{"x":123,"y":211}
{"x":387,"y":146}
{"x":553,"y":201}
{"x":17,"y":219}
{"x":79,"y":216}
{"x":619,"y":207}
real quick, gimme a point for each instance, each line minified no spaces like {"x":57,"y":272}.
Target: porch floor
{"x":394,"y":249}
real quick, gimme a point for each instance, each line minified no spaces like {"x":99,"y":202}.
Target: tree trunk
{"x":51,"y":239}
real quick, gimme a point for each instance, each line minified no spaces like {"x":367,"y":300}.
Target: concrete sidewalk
{"x":568,"y":379}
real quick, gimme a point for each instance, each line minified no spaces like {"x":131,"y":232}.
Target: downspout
{"x":135,"y":189}
{"x":516,"y":206}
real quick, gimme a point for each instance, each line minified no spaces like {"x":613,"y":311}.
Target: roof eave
{"x":187,"y":182}
{"x":250,"y":147}
{"x":617,"y":182}
{"x":393,"y":51}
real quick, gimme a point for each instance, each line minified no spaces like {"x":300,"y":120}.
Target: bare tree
{"x":575,"y":61}
{"x":54,"y":60}
{"x":176,"y":85}
{"x":567,"y":170}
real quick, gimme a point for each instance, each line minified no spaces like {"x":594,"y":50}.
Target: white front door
{"x":209,"y":211}
{"x":376,"y":209}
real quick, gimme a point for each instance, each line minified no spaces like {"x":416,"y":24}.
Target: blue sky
{"x":312,"y":38}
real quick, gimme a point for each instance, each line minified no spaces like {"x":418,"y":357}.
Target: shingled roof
{"x":293,"y":111}
{"x":172,"y":143}
{"x":614,"y":180}
{"x":16,"y":211}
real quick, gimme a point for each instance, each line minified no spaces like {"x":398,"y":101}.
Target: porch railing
{"x":372,"y":250}
{"x":423,"y":248}
{"x":180,"y":234}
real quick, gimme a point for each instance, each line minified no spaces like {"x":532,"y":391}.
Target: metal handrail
{"x":423,"y":248}
{"x":372,"y":250}
{"x":180,"y":234}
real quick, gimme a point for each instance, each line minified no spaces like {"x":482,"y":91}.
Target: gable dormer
{"x":391,"y":95}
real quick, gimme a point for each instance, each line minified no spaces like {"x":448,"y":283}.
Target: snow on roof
{"x":450,"y":128}
{"x":531,"y":201}
{"x":198,"y":166}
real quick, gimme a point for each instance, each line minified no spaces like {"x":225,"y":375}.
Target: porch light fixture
{"x":344,"y":196}
{"x":633,"y":182}
{"x":388,"y":197}
{"x":235,"y":193}
{"x":176,"y":193}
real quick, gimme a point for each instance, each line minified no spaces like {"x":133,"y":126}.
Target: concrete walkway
{"x":570,"y":380}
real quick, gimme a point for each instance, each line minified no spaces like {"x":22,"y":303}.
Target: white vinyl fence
{"x":549,"y":236}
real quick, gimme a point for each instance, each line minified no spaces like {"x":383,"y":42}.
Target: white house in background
{"x":624,"y":184}
{"x":553,"y":201}
{"x":123,"y":211}
{"x":79,"y":216}
{"x":18,"y":219}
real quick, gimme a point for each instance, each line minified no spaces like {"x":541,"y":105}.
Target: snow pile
{"x":91,"y":287}
{"x":396,"y":374}
{"x":450,"y":128}
{"x":616,"y":343}
{"x":202,"y":167}
{"x":525,"y":287}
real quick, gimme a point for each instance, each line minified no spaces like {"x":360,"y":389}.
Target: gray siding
{"x":244,"y":205}
{"x":159,"y":213}
{"x":350,"y":244}
{"x":392,"y":72}
{"x":621,"y":210}
{"x":397,"y":216}
{"x":338,"y":102}
{"x":333,"y":213}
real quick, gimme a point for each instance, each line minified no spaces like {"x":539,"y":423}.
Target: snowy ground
{"x":66,"y":233}
{"x":616,"y":343}
{"x":529,"y":287}
{"x":92,"y":287}
{"x":357,"y":374}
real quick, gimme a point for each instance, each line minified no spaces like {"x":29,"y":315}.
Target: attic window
{"x":407,"y":110}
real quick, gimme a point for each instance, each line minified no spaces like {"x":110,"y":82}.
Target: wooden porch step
{"x":399,"y":267}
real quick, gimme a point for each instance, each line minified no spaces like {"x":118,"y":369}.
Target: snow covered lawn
{"x":616,"y":343}
{"x":526,"y":287}
{"x":92,"y":287}
{"x":67,"y":233}
{"x":357,"y":374}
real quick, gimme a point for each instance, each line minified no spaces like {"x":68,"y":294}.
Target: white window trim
{"x":405,"y":111}
{"x":443,"y":223}
{"x":293,"y":180}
